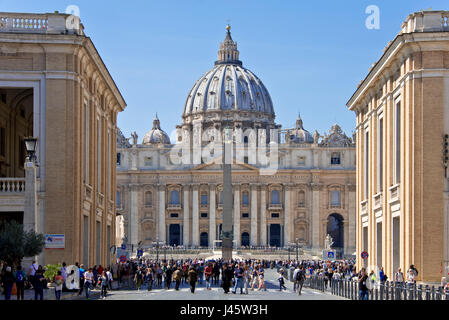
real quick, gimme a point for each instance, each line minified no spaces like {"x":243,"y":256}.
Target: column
{"x":161,"y":214}
{"x":253,"y":241}
{"x":263,"y":215}
{"x":352,"y":220}
{"x":212,"y":223}
{"x":195,"y":216}
{"x":186,"y":216}
{"x":133,"y":230}
{"x":316,"y":215}
{"x":236,"y":221}
{"x":287,"y":215}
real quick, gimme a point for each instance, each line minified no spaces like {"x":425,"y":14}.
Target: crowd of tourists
{"x":234,"y":276}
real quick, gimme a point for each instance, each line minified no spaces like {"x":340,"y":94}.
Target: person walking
{"x":138,"y":278}
{"x":88,"y":280}
{"x":299,"y":278}
{"x":261,"y":275}
{"x":168,"y":277}
{"x":59,"y":282}
{"x":103,"y":284}
{"x":192,"y":278}
{"x":177,"y":276}
{"x":32,"y":272}
{"x":238,"y":277}
{"x":20,"y":279}
{"x":226,"y":278}
{"x":208,"y":274}
{"x":399,"y":283}
{"x":363,"y":289}
{"x":39,"y":283}
{"x":110,"y":278}
{"x":149,"y":279}
{"x":82,"y":271}
{"x":8,"y":282}
{"x":281,"y":280}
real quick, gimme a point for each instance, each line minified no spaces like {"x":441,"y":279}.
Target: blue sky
{"x":310,"y":54}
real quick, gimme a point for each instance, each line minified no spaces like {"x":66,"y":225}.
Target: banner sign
{"x":54,"y":241}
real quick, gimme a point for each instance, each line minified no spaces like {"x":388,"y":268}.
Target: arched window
{"x":301,"y":199}
{"x":275,"y":197}
{"x":174,"y":197}
{"x":148,"y":199}
{"x":220,"y":198}
{"x":335,"y":201}
{"x":245,"y":139}
{"x":204,"y":239}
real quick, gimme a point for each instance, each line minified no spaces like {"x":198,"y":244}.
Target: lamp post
{"x":157,"y":249}
{"x":30,"y":146}
{"x":31,"y":219}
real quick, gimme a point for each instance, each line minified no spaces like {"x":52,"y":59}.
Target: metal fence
{"x":381,"y":291}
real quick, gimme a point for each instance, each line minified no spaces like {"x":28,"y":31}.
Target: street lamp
{"x":30,"y":146}
{"x":157,"y":249}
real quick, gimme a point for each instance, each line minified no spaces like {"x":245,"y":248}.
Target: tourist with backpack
{"x":20,"y":279}
{"x":299,"y":279}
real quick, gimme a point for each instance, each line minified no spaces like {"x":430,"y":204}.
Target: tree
{"x":16,"y":243}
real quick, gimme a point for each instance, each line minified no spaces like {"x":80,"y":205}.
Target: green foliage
{"x":16,"y":243}
{"x":51,"y":271}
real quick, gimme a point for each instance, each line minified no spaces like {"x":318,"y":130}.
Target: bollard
{"x":439,"y":292}
{"x":376,"y":294}
{"x":433,"y":293}
{"x":419,"y":292}
{"x":386,"y":288}
{"x":447,"y":295}
{"x":427,"y":292}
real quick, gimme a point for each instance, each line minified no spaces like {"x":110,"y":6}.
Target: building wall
{"x":307,"y":221}
{"x":65,"y":72}
{"x":413,"y":72}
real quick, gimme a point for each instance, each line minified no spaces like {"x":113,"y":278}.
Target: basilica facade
{"x":171,"y":191}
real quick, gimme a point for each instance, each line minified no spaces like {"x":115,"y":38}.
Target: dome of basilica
{"x":299,"y":134}
{"x":156,"y":135}
{"x":229,"y":86}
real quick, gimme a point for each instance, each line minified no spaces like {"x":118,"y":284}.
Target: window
{"x":204,"y":198}
{"x":275,"y":197}
{"x":86,"y":142}
{"x":301,"y":161}
{"x":99,"y":157}
{"x":398,"y":142}
{"x":174,"y":215}
{"x":335,"y":198}
{"x":148,"y":199}
{"x":245,"y":198}
{"x":245,"y":159}
{"x":118,"y":202}
{"x":22,"y":152}
{"x":301,"y":199}
{"x":381,"y":154}
{"x":366,"y":164}
{"x":245,"y":215}
{"x":335,"y":158}
{"x":174,"y":197}
{"x":245,"y":139}
{"x":203,"y":214}
{"x":275,"y":215}
{"x":2,"y":142}
{"x":119,"y":158}
{"x":220,"y":198}
{"x":148,"y":161}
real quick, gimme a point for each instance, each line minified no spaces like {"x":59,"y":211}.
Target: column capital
{"x":213,"y":186}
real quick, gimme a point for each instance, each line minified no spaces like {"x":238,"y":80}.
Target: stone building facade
{"x":402,"y":110}
{"x":55,"y":87}
{"x":172,"y":192}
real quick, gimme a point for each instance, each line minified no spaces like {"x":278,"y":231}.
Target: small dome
{"x":299,"y":134}
{"x":156,"y":135}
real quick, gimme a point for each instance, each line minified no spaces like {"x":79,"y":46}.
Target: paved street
{"x":217,"y":293}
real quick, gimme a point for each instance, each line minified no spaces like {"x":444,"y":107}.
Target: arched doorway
{"x":204,"y":239}
{"x":335,"y":229}
{"x":174,"y":235}
{"x":275,"y":235}
{"x":245,"y":239}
